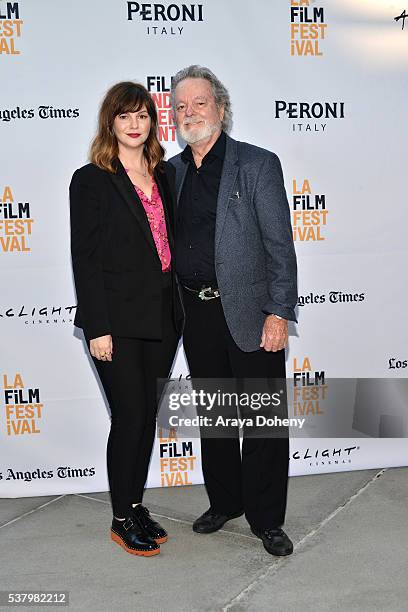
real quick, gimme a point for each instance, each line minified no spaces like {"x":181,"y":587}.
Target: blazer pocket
{"x":237,"y":199}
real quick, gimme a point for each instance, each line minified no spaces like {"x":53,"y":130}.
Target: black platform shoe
{"x":152,"y":528}
{"x":131,"y":535}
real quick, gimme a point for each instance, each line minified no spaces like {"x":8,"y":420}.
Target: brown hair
{"x":124,"y":97}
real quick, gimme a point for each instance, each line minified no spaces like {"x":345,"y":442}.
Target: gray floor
{"x":350,"y":532}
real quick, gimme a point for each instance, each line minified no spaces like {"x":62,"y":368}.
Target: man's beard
{"x":191,"y":137}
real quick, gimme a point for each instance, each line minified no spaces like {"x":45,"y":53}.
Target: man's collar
{"x":218,"y":149}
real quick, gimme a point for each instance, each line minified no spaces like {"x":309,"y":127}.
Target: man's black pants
{"x":257,"y":481}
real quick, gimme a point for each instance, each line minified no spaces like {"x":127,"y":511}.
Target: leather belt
{"x":205,"y":293}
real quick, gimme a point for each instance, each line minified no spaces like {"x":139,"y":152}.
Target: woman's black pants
{"x":130,"y":385}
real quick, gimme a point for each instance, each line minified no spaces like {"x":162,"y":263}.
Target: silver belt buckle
{"x":202,"y":295}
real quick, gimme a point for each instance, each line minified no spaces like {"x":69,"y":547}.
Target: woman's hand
{"x":101,"y":348}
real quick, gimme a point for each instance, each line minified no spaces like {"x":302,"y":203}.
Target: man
{"x":236,"y":263}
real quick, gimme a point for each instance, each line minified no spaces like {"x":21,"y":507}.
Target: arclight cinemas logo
{"x":164,"y":20}
{"x":318,"y":457}
{"x":303,"y":114}
{"x":38,"y":315}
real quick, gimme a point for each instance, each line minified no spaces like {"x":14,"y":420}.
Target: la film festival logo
{"x":159,"y":88}
{"x":22,"y":407}
{"x":310,"y":392}
{"x":309,"y":212}
{"x":177,"y":460}
{"x":16,"y":223}
{"x":309,"y":388}
{"x":302,"y":114}
{"x":10,"y":28}
{"x":164,"y":19}
{"x":307,"y":28}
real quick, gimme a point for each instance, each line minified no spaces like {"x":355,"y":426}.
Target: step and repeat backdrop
{"x":323,"y":83}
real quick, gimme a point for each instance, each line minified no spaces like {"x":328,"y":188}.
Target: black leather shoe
{"x":275,"y":541}
{"x":132,"y":537}
{"x":212,"y":521}
{"x":151,"y":527}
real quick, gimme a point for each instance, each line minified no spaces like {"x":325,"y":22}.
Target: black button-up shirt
{"x":197,"y":209}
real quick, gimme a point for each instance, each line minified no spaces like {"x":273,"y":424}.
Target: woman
{"x":122,"y":210}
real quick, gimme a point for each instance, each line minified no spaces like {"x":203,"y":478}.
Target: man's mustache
{"x":191,"y":121}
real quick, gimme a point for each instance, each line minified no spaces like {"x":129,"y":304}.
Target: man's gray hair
{"x":220,"y":92}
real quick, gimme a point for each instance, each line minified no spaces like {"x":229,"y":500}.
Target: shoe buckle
{"x":128,"y":524}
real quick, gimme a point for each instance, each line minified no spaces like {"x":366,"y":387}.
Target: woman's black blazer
{"x":117,"y":270}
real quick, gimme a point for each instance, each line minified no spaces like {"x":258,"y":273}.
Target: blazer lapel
{"x":129,"y":194}
{"x":181,"y":183}
{"x":229,"y":174}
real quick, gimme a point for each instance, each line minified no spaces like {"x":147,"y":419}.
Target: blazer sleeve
{"x":273,"y":214}
{"x":86,"y":252}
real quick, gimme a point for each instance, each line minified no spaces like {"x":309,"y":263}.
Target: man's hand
{"x":274,"y":334}
{"x":101,"y":348}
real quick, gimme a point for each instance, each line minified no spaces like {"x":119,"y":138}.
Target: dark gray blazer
{"x":255,"y":259}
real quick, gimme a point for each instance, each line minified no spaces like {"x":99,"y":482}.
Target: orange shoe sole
{"x":140,"y":553}
{"x":161,"y":540}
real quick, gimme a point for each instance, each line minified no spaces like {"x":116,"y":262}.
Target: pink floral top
{"x":155,"y":215}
